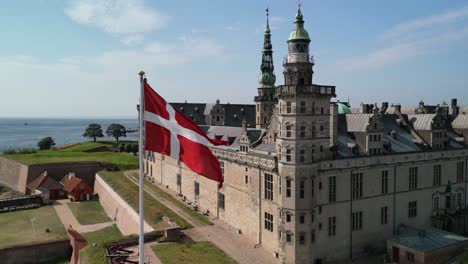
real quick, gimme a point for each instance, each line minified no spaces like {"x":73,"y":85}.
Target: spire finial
{"x":299,"y":4}
{"x":267,"y":17}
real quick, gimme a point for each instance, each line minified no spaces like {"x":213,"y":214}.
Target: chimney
{"x":384,"y":107}
{"x":454,"y":102}
{"x":45,"y":173}
{"x":454,"y":105}
{"x":398,"y":108}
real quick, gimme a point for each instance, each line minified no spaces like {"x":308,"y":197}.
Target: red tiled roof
{"x":70,"y":183}
{"x":45,"y":182}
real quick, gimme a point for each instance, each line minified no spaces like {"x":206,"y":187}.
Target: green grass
{"x":191,"y":253}
{"x":174,"y":200}
{"x":28,"y":226}
{"x":6,"y":192}
{"x":75,"y":153}
{"x":97,"y":255}
{"x":154,"y":210}
{"x":88,"y":212}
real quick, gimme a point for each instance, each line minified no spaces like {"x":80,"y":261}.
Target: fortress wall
{"x":13,"y":174}
{"x":117,"y":209}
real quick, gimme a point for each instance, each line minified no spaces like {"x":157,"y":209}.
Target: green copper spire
{"x":299,"y":33}
{"x":267,"y":77}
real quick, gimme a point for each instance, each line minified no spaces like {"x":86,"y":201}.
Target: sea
{"x":17,"y":133}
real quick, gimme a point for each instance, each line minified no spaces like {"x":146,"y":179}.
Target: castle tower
{"x":266,"y":89}
{"x":304,"y":139}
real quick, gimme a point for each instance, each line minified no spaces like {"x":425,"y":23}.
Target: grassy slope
{"x":154,"y":210}
{"x":17,"y":227}
{"x":88,"y":212}
{"x":175,"y":201}
{"x":97,"y":255}
{"x":75,"y":153}
{"x":191,"y":253}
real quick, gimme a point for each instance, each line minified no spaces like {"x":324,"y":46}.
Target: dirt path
{"x":176,"y":209}
{"x":68,"y":219}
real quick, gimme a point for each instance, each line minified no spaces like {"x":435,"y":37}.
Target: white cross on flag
{"x":171,"y":133}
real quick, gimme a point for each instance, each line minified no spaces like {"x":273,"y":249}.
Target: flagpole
{"x":141,"y":243}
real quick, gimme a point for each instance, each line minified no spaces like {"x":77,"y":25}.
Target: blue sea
{"x":18,"y":133}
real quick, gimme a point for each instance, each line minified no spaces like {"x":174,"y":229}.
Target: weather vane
{"x":299,"y":4}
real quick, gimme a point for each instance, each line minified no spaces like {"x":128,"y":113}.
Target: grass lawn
{"x":28,"y":226}
{"x":88,"y":212}
{"x":75,"y":153}
{"x":174,"y":200}
{"x":97,"y":255}
{"x":154,"y":210}
{"x":188,"y":253}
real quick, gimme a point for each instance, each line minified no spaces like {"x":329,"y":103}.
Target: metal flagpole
{"x":141,"y":244}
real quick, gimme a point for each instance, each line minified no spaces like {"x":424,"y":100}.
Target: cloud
{"x":276,"y":22}
{"x":406,"y":29}
{"x":127,"y":19}
{"x":197,"y":46}
{"x":132,"y":40}
{"x":410,"y":39}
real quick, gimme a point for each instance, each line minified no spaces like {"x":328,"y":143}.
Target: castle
{"x":312,"y":180}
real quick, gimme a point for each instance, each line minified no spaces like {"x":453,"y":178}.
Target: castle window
{"x":302,"y":131}
{"x":384,"y":215}
{"x":221,"y":200}
{"x":357,"y":221}
{"x":410,"y":257}
{"x":437,"y":174}
{"x":321,"y":148}
{"x":288,"y":217}
{"x":312,"y":185}
{"x":301,"y":81}
{"x":288,"y":131}
{"x":221,"y":165}
{"x":321,"y":110}
{"x":302,"y":238}
{"x":356,"y":185}
{"x":321,"y":128}
{"x":313,"y":131}
{"x":384,"y":181}
{"x":413,"y":178}
{"x":303,"y":107}
{"x":459,"y":199}
{"x":412,"y":209}
{"x":302,"y":155}
{"x":279,"y":184}
{"x":288,"y":107}
{"x":288,"y":188}
{"x":269,"y":222}
{"x":312,"y":236}
{"x":288,"y":237}
{"x":301,"y":219}
{"x":288,"y":155}
{"x":435,"y":203}
{"x":301,"y":189}
{"x":460,"y":171}
{"x":246,"y":179}
{"x":375,"y":126}
{"x":332,"y":189}
{"x":268,"y":186}
{"x":179,"y":179}
{"x":332,"y":226}
{"x":197,"y":190}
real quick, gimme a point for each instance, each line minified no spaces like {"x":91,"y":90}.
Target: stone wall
{"x":13,"y":174}
{"x":117,"y":209}
{"x":36,"y":253}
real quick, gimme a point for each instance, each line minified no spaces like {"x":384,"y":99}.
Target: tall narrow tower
{"x":303,"y":125}
{"x":266,"y":89}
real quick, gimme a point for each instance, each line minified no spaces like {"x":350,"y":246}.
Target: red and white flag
{"x":171,"y":133}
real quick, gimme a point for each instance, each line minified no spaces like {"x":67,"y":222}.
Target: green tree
{"x":45,"y":143}
{"x":93,"y":131}
{"x":116,"y":131}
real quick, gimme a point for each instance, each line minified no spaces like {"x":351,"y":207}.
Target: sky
{"x":80,"y":58}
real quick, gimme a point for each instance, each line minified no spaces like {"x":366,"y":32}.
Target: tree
{"x":116,"y":131}
{"x":45,"y":143}
{"x":93,"y":131}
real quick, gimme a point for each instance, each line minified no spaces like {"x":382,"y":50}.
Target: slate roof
{"x":234,"y":113}
{"x":426,"y":239}
{"x":422,"y":121}
{"x":266,"y":148}
{"x":460,"y":122}
{"x":44,"y":182}
{"x":356,"y":122}
{"x":404,"y":141}
{"x":70,"y":182}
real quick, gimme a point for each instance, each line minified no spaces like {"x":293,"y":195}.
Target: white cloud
{"x":197,"y":46}
{"x":132,"y":40}
{"x":408,"y":40}
{"x":128,"y":19}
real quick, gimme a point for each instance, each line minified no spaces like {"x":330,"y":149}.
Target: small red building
{"x":76,"y":189}
{"x":44,"y":183}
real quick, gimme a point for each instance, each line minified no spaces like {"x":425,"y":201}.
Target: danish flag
{"x":171,"y":133}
